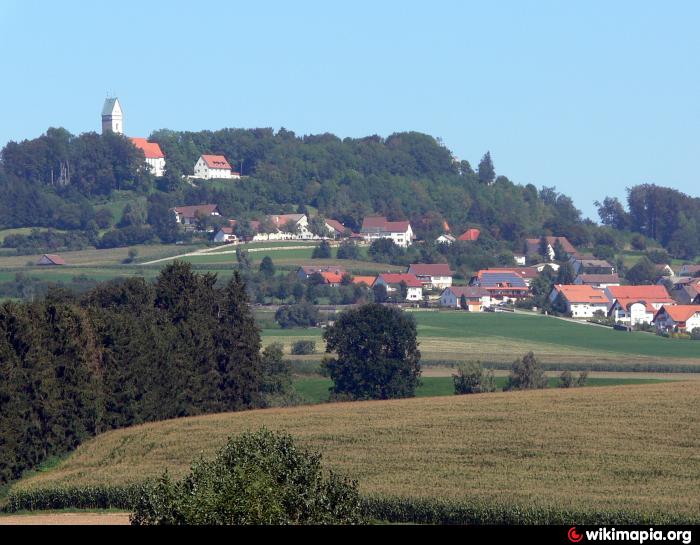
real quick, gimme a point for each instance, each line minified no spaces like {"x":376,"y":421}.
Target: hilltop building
{"x":112,"y":117}
{"x":155,"y":158}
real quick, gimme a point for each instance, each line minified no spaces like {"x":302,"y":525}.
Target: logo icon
{"x":574,"y":536}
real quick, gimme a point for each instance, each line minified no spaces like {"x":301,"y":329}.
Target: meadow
{"x":588,"y":449}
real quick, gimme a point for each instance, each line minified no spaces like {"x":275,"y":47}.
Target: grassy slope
{"x":500,"y":337}
{"x":632,"y":447}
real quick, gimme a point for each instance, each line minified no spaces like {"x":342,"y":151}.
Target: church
{"x":113,"y":121}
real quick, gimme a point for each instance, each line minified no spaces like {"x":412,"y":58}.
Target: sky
{"x":591,"y":97}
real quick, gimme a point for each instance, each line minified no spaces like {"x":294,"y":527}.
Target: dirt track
{"x":66,"y":519}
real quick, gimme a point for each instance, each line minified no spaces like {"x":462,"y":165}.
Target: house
{"x":526,"y":273}
{"x":188,"y":215}
{"x":332,"y":279}
{"x":445,"y":239}
{"x":377,"y":227}
{"x":477,"y":298}
{"x":503,"y":286}
{"x":307,"y":271}
{"x":292,"y":226}
{"x":591,"y":265}
{"x":435,"y":276}
{"x":155,"y":158}
{"x":597,"y":280}
{"x":367,"y":280}
{"x":532,"y":247}
{"x":689,"y":270}
{"x":51,"y":260}
{"x":336,"y":229}
{"x":581,"y":301}
{"x":656,"y":295}
{"x":470,"y":235}
{"x":393,"y":282}
{"x":685,"y":290}
{"x":225,"y":235}
{"x":664,"y":269}
{"x":214,"y":167}
{"x":684,"y":318}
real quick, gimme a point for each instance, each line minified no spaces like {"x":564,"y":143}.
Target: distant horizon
{"x":590,"y":99}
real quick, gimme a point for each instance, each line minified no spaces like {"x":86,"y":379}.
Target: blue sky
{"x":590,"y":97}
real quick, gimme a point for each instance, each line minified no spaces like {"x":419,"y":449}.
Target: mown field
{"x":590,"y":449}
{"x":501,"y":337}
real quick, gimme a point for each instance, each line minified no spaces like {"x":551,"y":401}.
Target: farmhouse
{"x":225,"y":234}
{"x":51,"y":260}
{"x":393,"y":282}
{"x":376,"y":227}
{"x":654,"y":296}
{"x":336,"y":229}
{"x":307,"y":271}
{"x":436,"y":276}
{"x":332,"y":279}
{"x":292,"y":226}
{"x":597,"y":280}
{"x":476,"y":298}
{"x":155,"y":158}
{"x":214,"y":167}
{"x":188,"y":215}
{"x":678,"y":318}
{"x":580,"y":301}
{"x":532,"y":247}
{"x":501,"y":285}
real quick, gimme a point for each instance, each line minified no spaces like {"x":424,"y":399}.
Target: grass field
{"x":501,"y":337}
{"x":316,"y":389}
{"x":626,"y":447}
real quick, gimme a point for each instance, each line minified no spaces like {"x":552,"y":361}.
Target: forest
{"x":54,"y":180}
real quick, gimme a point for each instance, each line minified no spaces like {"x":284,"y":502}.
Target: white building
{"x":225,"y":235}
{"x":374,"y":228}
{"x":477,"y":298}
{"x":188,"y":215}
{"x":679,"y":317}
{"x":155,"y":158}
{"x":112,"y":117}
{"x":392,"y":282}
{"x":432,"y":276}
{"x":214,"y":167}
{"x":581,"y":301}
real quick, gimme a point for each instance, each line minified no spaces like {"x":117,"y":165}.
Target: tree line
{"x":124,"y":353}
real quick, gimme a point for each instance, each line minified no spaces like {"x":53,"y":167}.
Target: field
{"x":631,"y":447}
{"x":501,"y":337}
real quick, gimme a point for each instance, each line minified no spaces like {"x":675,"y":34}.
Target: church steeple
{"x":112,"y":117}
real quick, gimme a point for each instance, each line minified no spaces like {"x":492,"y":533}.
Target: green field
{"x":501,"y":337}
{"x":316,"y":389}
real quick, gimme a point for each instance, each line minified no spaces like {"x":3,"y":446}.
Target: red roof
{"x":55,"y":259}
{"x":380,"y":223}
{"x":191,"y":211}
{"x":533,"y":245}
{"x":331,"y":277}
{"x":150,"y":149}
{"x":650,"y":294}
{"x":469,"y":292}
{"x":282,"y":219}
{"x":336,"y":225}
{"x":436,"y":269}
{"x":369,"y":280}
{"x":216,"y":161}
{"x":470,"y":235}
{"x":410,"y":279}
{"x":627,"y":303}
{"x":680,"y":313}
{"x":582,"y":294}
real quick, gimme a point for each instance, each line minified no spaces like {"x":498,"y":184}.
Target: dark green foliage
{"x":384,"y":250}
{"x":39,"y":242}
{"x":643,"y":272}
{"x":348,"y":250}
{"x":299,"y":315}
{"x":472,"y":379}
{"x":487,"y":173}
{"x":257,"y":478}
{"x":303,"y":348}
{"x":526,"y":374}
{"x":322,"y":251}
{"x":567,"y":380}
{"x":267,"y":267}
{"x":276,"y":387}
{"x":377,"y":354}
{"x":566,"y":274}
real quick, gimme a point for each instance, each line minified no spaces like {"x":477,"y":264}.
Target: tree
{"x":267,"y":267}
{"x":257,"y":478}
{"x":377,"y":354}
{"x":243,"y":259}
{"x":472,"y":379}
{"x":348,"y":250}
{"x":566,"y":274}
{"x":526,"y":374}
{"x":380,"y":293}
{"x":643,"y":272}
{"x":544,"y":249}
{"x":299,"y":315}
{"x":322,"y":251}
{"x":487,"y":174}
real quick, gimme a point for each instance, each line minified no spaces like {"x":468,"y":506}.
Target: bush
{"x":322,"y":251}
{"x":566,"y":380}
{"x":348,"y":250}
{"x":301,"y":315}
{"x":472,"y":379}
{"x":304,"y":348}
{"x":257,"y":478}
{"x":526,"y":374}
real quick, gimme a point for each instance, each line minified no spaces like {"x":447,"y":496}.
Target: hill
{"x":632,"y":447}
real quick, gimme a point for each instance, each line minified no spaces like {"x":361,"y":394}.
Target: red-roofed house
{"x":470,"y":235}
{"x":307,"y":271}
{"x":581,"y":301}
{"x":225,"y":234}
{"x":633,"y":305}
{"x":51,"y":260}
{"x":214,"y":167}
{"x":335,"y":228}
{"x":332,"y":279}
{"x":433,"y":276}
{"x":366,"y":280}
{"x":678,"y":318}
{"x":393,"y":283}
{"x":155,"y":158}
{"x":188,"y":215}
{"x":598,"y":280}
{"x":376,"y":227}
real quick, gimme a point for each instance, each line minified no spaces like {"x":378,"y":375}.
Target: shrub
{"x":348,"y":250}
{"x":526,"y":374}
{"x":472,"y":379}
{"x":322,"y":251}
{"x":257,"y":478}
{"x":301,"y":315}
{"x":304,"y":348}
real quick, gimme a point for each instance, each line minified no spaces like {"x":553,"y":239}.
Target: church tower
{"x":112,"y":117}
